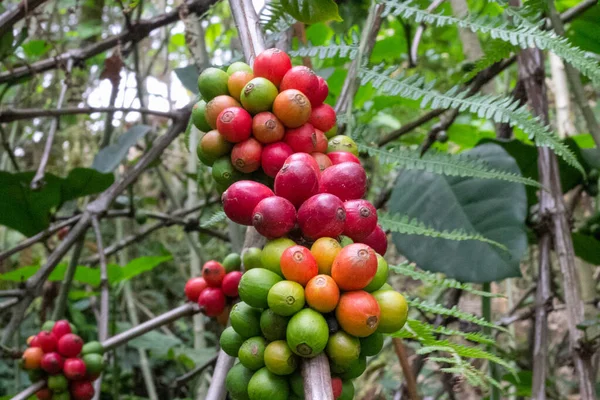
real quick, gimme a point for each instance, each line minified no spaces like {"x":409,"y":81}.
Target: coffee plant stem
{"x":65,"y":286}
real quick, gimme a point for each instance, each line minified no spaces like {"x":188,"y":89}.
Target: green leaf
{"x":495,"y":209}
{"x":435,"y":280}
{"x":526,"y":157}
{"x":584,"y":31}
{"x":587,"y":248}
{"x":35,"y":48}
{"x":141,"y":265}
{"x":84,"y":182}
{"x":28,"y":211}
{"x":412,"y":226}
{"x":111,"y":156}
{"x":91,"y":275}
{"x":188,"y":76}
{"x":444,"y":164}
{"x":312,"y":11}
{"x":496,"y":108}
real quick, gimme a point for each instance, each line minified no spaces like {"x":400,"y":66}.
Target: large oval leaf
{"x":312,"y":11}
{"x":493,"y":208}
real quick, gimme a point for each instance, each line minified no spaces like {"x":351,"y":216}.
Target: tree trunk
{"x":555,"y":229}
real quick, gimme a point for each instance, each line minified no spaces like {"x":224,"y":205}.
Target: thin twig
{"x":51,"y":230}
{"x":8,"y":150}
{"x":63,"y":294}
{"x":36,"y":183}
{"x":556,"y":230}
{"x":194,"y":372}
{"x":104,"y":296}
{"x":414,"y":47}
{"x":409,"y":378}
{"x":17,"y":13}
{"x":367,"y":43}
{"x":10,"y":114}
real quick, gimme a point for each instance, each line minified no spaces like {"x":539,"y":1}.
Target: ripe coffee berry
{"x":322,"y":215}
{"x":46,"y":341}
{"x":235,"y":124}
{"x":240,"y":199}
{"x":212,"y":300}
{"x":230,"y":283}
{"x":213,"y":273}
{"x":303,"y":79}
{"x":273,"y":157}
{"x":52,"y":363}
{"x":82,"y":390}
{"x":194,"y":287}
{"x":274,"y":217}
{"x":70,"y":345}
{"x":74,"y":369}
{"x":61,"y":328}
{"x":272,"y":64}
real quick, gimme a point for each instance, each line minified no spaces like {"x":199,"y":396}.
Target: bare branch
{"x":411,"y":383}
{"x":173,"y":219}
{"x":8,"y":150}
{"x":10,"y":115}
{"x":37,"y":181}
{"x":139,"y":31}
{"x":17,"y":13}
{"x":317,"y":378}
{"x":52,"y":229}
{"x":555,"y":217}
{"x":63,"y":294}
{"x":194,"y":372}
{"x":414,"y":47}
{"x":367,"y":43}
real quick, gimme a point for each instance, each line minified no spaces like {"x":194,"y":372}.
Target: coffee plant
{"x":293,"y":199}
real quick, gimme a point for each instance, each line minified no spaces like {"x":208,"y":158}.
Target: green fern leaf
{"x":452,"y":312}
{"x":426,"y":331}
{"x":425,"y":276}
{"x":218,"y":216}
{"x":499,"y":109}
{"x":342,"y":50}
{"x":495,"y":51}
{"x":524,"y":36}
{"x":273,"y":16}
{"x":443,"y":164}
{"x":412,"y":226}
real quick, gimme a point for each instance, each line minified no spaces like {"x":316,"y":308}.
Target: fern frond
{"x":497,"y":108}
{"x":342,"y":50}
{"x":423,"y":328}
{"x":412,"y":226}
{"x":218,"y":216}
{"x":524,"y":36}
{"x":444,"y":164}
{"x":452,"y":312}
{"x":272,"y":15}
{"x":495,"y":51}
{"x":476,"y":337}
{"x":425,"y":276}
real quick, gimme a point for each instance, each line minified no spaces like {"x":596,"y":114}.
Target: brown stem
{"x":17,"y":13}
{"x":37,"y":181}
{"x":554,"y":215}
{"x":10,"y":114}
{"x":317,"y":380}
{"x":409,"y":378}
